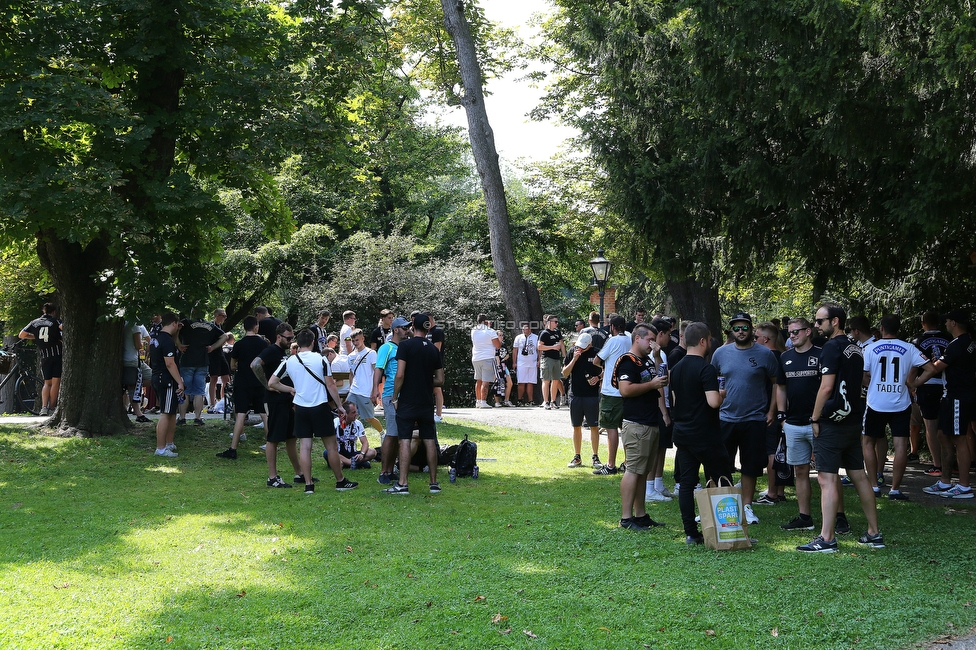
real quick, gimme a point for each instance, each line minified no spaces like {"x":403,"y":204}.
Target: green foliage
{"x":24,"y":289}
{"x":195,"y":553}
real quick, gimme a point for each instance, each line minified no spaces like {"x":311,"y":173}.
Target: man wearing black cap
{"x":419,"y":369}
{"x":746,"y":411}
{"x":958,"y":365}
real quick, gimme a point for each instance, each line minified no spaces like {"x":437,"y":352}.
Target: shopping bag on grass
{"x":722,"y":520}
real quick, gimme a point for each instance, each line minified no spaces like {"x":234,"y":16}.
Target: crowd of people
{"x":823,"y":394}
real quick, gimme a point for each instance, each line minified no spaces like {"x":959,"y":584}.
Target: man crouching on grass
{"x":635,"y":376}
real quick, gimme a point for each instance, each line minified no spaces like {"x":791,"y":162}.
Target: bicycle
{"x":27,"y":387}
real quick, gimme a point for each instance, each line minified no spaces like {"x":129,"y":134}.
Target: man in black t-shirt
{"x":584,"y":396}
{"x":836,"y":421}
{"x":267,"y":324}
{"x":635,"y":376}
{"x":958,"y":408}
{"x":419,"y":369}
{"x":198,"y":338}
{"x":796,"y":393}
{"x":281,"y":416}
{"x":553,"y":350}
{"x":695,"y":400}
{"x":219,"y":367}
{"x":46,"y":330}
{"x":436,"y":336}
{"x":249,"y":393}
{"x":381,"y":333}
{"x":932,"y":342}
{"x":593,"y":329}
{"x":167,"y":382}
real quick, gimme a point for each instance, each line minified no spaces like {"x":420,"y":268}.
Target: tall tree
{"x":514,"y":289}
{"x":120,"y":123}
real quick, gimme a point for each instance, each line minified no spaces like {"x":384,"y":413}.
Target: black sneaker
{"x":276,"y":482}
{"x":633,"y":524}
{"x":799,"y":523}
{"x":694,"y":540}
{"x":897,"y":495}
{"x":384,"y":478}
{"x":764,"y":500}
{"x":396,"y":488}
{"x":435,"y":488}
{"x":647,"y":521}
{"x":874,"y":541}
{"x":199,"y":422}
{"x":345,"y":485}
{"x":300,"y":479}
{"x":230,"y":453}
{"x":606,"y":470}
{"x":818,"y":545}
{"x":842,"y":526}
{"x":143,"y":419}
{"x":363,"y":464}
{"x":180,"y":422}
{"x":310,"y":488}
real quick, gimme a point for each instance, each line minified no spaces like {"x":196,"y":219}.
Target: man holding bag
{"x":695,"y":400}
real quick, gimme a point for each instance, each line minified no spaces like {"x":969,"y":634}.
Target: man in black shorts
{"x":958,"y":365}
{"x":584,"y":396}
{"x":249,"y":394}
{"x":436,"y":336}
{"x":167,"y":382}
{"x":281,"y":416}
{"x":932,"y":342}
{"x":836,"y":422}
{"x":419,"y":370}
{"x":46,"y":330}
{"x":313,"y":387}
{"x":695,"y":400}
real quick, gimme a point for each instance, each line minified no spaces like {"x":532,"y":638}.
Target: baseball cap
{"x":400,"y":321}
{"x":741,"y":316}
{"x":960,"y":315}
{"x":421,"y":321}
{"x":584,"y":341}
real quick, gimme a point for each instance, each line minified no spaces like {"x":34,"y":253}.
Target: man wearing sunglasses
{"x":836,"y":420}
{"x":746,"y":411}
{"x":281,"y":415}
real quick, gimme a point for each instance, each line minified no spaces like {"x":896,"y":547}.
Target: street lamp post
{"x":601,"y":272}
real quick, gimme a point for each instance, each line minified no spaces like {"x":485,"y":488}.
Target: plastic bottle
{"x":474,"y":472}
{"x":352,"y":464}
{"x":452,"y":475}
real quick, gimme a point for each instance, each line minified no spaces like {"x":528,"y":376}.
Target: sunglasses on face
{"x":741,"y":328}
{"x":796,"y":332}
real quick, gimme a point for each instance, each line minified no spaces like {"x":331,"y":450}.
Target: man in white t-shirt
{"x":131,"y":368}
{"x":362,"y":363}
{"x":611,"y":403}
{"x":345,"y":332}
{"x":313,"y":385}
{"x":525,"y":362}
{"x":484,"y":342}
{"x":890,"y":365}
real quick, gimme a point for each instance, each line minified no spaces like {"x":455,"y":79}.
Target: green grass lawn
{"x":104,"y":546}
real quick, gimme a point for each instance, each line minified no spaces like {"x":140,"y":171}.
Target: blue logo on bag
{"x":727,"y":512}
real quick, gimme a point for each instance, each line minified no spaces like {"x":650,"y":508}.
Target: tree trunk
{"x":486,"y":160}
{"x":697,"y":301}
{"x":90,"y":400}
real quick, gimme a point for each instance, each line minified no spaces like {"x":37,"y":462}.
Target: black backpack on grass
{"x":466,"y":458}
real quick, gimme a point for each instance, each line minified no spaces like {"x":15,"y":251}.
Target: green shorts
{"x":552,"y":369}
{"x":611,"y":411}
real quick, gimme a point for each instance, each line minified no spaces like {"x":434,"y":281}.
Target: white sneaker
{"x":259,"y":425}
{"x":166,"y":453}
{"x":263,"y":447}
{"x":438,"y":419}
{"x":654,"y":495}
{"x":170,"y":446}
{"x":751,"y":517}
{"x":44,"y":412}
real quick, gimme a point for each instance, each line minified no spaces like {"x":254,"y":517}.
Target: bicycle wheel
{"x":28,"y":393}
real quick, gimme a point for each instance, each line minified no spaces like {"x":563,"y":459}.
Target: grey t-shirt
{"x":745,"y":373}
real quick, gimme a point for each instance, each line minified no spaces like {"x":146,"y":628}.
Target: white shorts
{"x":528,"y":370}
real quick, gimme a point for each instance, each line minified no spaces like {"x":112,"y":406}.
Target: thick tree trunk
{"x":90,"y":401}
{"x":486,"y":160}
{"x":696,"y":301}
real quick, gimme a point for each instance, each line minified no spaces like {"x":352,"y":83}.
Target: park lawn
{"x":102,"y":545}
